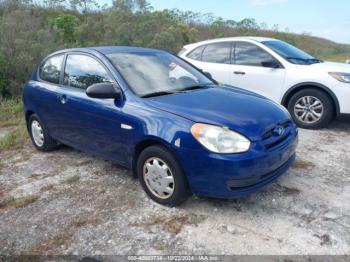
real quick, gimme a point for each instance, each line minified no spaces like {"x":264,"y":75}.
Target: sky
{"x":324,"y":18}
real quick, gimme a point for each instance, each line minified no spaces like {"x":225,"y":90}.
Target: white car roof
{"x":253,"y":38}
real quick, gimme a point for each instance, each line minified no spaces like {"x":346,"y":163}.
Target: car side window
{"x":81,"y":71}
{"x":217,"y":53}
{"x":251,"y":55}
{"x":50,"y":70}
{"x":196,"y":54}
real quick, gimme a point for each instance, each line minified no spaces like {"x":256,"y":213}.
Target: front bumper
{"x":242,"y":185}
{"x":235,"y":175}
{"x":342,"y":93}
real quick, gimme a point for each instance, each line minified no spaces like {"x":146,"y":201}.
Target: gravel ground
{"x":69,"y":202}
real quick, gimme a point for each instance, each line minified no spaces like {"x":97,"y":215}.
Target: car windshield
{"x":291,"y":53}
{"x":151,"y":73}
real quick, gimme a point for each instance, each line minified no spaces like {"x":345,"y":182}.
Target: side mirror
{"x":103,"y":90}
{"x":271,"y":64}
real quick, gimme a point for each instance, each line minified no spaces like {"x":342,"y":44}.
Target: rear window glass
{"x":217,"y":53}
{"x":50,"y":70}
{"x":196,"y":54}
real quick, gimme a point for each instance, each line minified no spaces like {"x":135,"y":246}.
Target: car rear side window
{"x":251,"y":55}
{"x":50,"y":70}
{"x":196,"y":54}
{"x":217,"y":53}
{"x":82,"y":71}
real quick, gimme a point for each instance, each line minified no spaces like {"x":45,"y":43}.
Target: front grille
{"x":269,"y":132}
{"x":270,"y":139}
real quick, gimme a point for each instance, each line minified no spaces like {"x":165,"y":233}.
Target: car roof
{"x":108,"y":49}
{"x":237,"y":38}
{"x":121,"y":49}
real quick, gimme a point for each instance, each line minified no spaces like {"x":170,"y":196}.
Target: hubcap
{"x":308,"y":109}
{"x":37,"y":133}
{"x":158,"y":178}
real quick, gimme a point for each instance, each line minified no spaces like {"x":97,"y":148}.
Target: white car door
{"x":256,"y":70}
{"x":215,"y":59}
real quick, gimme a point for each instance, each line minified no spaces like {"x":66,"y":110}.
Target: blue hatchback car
{"x":175,"y":127}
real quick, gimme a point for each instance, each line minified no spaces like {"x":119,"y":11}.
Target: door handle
{"x":63,"y":99}
{"x":239,"y":73}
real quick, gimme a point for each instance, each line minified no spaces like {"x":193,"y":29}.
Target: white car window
{"x":217,"y":53}
{"x":196,"y":54}
{"x":251,"y":55}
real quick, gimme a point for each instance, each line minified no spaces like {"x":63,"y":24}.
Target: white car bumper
{"x":342,"y":92}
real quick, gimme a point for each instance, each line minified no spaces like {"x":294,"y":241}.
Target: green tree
{"x":248,"y":23}
{"x":66,"y":24}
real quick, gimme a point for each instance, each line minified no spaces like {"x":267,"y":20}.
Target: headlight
{"x":219,"y":139}
{"x":342,"y":77}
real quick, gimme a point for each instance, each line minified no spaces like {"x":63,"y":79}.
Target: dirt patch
{"x":303,"y":164}
{"x":18,"y":202}
{"x":172,"y":224}
{"x":1,"y":167}
{"x":46,"y":188}
{"x":64,"y":237}
{"x":287,"y":190}
{"x":72,"y":179}
{"x":325,"y":239}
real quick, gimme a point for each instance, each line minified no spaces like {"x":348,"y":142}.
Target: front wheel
{"x":161,"y":176}
{"x":311,"y":108}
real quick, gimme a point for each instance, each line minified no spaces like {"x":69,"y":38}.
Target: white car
{"x":312,"y":90}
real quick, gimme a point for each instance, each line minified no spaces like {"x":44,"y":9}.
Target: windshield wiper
{"x":162,"y":93}
{"x":296,"y":58}
{"x":193,"y":87}
{"x":315,"y":60}
{"x":306,"y":60}
{"x":159,"y":93}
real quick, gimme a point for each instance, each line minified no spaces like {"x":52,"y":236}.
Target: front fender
{"x":157,"y":126}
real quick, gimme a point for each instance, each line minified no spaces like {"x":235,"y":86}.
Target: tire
{"x":45,"y":142}
{"x":158,"y":162}
{"x":315,"y":104}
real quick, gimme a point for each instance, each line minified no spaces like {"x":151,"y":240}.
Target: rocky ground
{"x":69,"y":202}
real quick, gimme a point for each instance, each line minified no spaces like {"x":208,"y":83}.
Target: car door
{"x":215,"y":59}
{"x":256,"y":70}
{"x":47,"y":85}
{"x":89,"y":123}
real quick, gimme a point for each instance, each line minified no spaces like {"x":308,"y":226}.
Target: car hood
{"x":243,"y":111}
{"x":332,"y":67}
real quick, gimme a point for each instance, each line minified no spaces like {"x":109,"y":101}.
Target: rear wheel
{"x":39,"y":135}
{"x":161,"y":176}
{"x":311,"y":108}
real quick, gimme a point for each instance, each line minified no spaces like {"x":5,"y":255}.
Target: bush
{"x":30,"y":31}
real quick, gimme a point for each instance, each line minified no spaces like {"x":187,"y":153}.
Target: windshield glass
{"x":157,"y":73}
{"x":291,"y":53}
